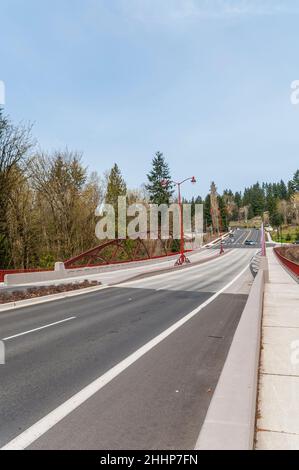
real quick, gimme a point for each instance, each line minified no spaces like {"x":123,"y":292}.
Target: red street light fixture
{"x":164,"y":183}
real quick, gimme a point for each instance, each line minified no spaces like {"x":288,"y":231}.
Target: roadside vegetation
{"x":286,"y":234}
{"x":290,"y":252}
{"x":48,"y":201}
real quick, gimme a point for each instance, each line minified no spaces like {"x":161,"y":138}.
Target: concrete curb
{"x":230,"y":421}
{"x":49,"y":298}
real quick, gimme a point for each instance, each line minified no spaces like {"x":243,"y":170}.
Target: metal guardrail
{"x":255,"y":263}
{"x":292,"y":267}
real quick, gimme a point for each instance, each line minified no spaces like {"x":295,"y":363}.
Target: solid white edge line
{"x":177,"y":271}
{"x":26,"y":438}
{"x":38,"y":329}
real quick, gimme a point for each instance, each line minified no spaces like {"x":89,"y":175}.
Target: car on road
{"x":296,"y":242}
{"x":249,"y":242}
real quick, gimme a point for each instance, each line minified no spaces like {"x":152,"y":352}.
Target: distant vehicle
{"x":296,"y":242}
{"x":249,"y":242}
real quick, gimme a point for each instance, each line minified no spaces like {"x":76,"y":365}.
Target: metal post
{"x":182,"y":244}
{"x":263,"y":241}
{"x":182,"y":258}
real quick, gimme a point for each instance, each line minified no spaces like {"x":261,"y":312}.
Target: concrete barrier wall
{"x":4,"y":272}
{"x":17,"y":277}
{"x":58,"y":274}
{"x":27,"y":278}
{"x":230,"y":421}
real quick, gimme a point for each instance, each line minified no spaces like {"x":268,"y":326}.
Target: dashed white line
{"x":38,"y":329}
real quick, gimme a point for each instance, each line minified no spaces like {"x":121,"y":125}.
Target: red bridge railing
{"x":291,"y":265}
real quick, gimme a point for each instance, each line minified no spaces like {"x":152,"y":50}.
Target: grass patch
{"x":288,"y":234}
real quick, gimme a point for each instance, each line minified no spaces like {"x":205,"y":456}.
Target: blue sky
{"x":207,"y":82}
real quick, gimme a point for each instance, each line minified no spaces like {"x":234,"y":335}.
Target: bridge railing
{"x":255,"y":263}
{"x":290,"y":265}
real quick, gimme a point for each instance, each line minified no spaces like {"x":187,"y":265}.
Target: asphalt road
{"x":112,"y":274}
{"x":241,"y":236}
{"x":161,"y":400}
{"x":118,"y":273}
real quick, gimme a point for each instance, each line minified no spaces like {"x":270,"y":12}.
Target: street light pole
{"x":182,"y":258}
{"x":182,"y":245}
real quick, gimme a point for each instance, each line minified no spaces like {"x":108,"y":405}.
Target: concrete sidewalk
{"x":278,"y":403}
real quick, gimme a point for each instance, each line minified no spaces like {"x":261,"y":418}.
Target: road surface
{"x":56,"y":350}
{"x":111,"y":274}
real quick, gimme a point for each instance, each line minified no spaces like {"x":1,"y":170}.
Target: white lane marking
{"x":238,"y":237}
{"x":177,"y":271}
{"x":155,"y":266}
{"x":37,"y":329}
{"x":168,"y":286}
{"x":243,"y":235}
{"x":38,"y":429}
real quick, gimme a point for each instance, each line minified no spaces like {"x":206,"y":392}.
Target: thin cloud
{"x":176,"y":10}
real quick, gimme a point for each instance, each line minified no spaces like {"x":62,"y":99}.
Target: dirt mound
{"x":290,"y":252}
{"x":46,"y":290}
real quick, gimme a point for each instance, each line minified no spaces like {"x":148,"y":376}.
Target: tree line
{"x":275,"y":202}
{"x":48,"y":200}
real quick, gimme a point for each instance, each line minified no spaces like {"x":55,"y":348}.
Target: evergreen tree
{"x":207,"y":212}
{"x":283,"y":191}
{"x":160,"y":171}
{"x":238,"y":199}
{"x":290,"y":189}
{"x":255,"y":197}
{"x":116,"y":186}
{"x":295,"y":182}
{"x":258,"y":200}
{"x":250,"y":214}
{"x":276,"y":219}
